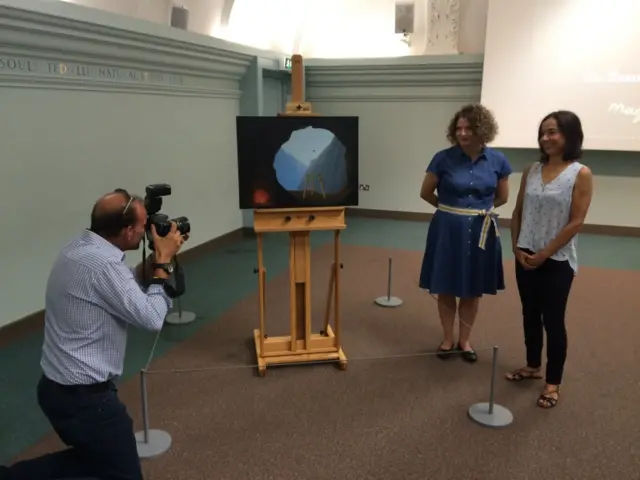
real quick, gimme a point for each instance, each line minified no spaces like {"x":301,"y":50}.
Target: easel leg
{"x":334,"y":293}
{"x":262,"y":286}
{"x":336,"y":286}
{"x":327,"y":312}
{"x":300,"y":287}
{"x":307,"y":291}
{"x":293,"y":294}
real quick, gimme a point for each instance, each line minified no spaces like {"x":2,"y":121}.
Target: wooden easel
{"x":301,"y":345}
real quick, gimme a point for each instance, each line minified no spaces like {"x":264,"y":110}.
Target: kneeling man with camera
{"x":92,"y":297}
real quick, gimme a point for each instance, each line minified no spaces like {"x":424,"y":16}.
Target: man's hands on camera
{"x":166,"y":247}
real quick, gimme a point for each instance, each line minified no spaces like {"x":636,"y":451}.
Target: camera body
{"x":162,"y":223}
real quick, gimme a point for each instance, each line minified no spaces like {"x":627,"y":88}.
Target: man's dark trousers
{"x":96,"y":427}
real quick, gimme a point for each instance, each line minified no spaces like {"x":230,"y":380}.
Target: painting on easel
{"x":296,"y":162}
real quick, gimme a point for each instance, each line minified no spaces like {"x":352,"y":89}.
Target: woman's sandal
{"x":549,"y":398}
{"x":524,"y":373}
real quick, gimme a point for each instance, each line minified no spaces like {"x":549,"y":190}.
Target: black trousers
{"x":544,"y":292}
{"x":96,"y":427}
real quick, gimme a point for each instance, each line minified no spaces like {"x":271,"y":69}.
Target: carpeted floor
{"x":400,"y":417}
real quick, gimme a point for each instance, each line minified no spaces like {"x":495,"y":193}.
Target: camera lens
{"x":183,"y":225}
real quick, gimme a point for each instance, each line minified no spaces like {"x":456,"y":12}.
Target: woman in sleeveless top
{"x":463,"y":256}
{"x":551,"y":207}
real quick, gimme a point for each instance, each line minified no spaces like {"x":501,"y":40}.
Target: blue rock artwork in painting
{"x":312,"y":165}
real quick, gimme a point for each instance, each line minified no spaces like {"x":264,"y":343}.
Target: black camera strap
{"x":178,"y":275}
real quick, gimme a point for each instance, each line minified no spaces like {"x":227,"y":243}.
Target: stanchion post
{"x":145,"y":411}
{"x":492,"y":386}
{"x":180,"y":317}
{"x":388,"y":300}
{"x":490,"y":414}
{"x":151,"y":443}
{"x":389,"y":280}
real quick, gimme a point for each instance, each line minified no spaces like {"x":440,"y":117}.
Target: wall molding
{"x":24,"y":81}
{"x":435,"y":78}
{"x":391,"y":97}
{"x":45,"y":50}
{"x":463,"y":73}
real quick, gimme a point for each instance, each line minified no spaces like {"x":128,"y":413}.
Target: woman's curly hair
{"x":482,"y":122}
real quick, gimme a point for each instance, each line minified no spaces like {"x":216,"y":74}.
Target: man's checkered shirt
{"x":91,"y":298}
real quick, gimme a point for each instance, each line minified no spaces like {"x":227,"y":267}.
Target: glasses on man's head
{"x":129,"y":202}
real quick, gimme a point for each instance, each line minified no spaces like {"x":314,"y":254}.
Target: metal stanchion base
{"x":176,"y":318}
{"x":388,"y":301}
{"x":501,"y":416}
{"x":158,"y":442}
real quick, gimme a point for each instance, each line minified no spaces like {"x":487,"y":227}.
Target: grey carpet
{"x":398,"y":418}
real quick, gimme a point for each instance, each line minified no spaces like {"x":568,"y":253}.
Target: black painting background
{"x":260,"y":138}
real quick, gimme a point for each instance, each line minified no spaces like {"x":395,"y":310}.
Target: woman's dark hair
{"x":570,"y":126}
{"x":482,"y":122}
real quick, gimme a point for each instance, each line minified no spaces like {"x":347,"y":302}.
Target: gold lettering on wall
{"x":46,"y":68}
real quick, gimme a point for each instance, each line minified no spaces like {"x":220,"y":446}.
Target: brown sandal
{"x":547,"y":399}
{"x":524,"y":373}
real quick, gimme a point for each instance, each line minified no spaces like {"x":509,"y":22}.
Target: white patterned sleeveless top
{"x":546,"y":210}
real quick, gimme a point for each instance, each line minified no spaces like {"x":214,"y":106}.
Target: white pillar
{"x":443,"y":18}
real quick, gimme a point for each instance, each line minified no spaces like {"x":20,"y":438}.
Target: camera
{"x":153,"y":204}
{"x":162,"y":224}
